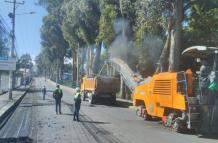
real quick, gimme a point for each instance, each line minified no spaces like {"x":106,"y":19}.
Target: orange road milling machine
{"x":174,"y":96}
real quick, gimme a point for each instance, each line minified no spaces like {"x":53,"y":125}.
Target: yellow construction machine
{"x":174,"y":96}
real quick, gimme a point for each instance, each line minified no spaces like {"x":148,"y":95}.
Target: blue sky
{"x":27,"y":27}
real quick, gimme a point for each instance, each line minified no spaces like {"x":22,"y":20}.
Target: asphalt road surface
{"x":35,"y":120}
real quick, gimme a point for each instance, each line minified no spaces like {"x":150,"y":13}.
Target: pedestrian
{"x":77,"y":104}
{"x":44,"y":92}
{"x":57,"y":95}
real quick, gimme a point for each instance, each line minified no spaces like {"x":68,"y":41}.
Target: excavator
{"x":174,"y":97}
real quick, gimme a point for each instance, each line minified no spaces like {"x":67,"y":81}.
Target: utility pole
{"x":12,"y":16}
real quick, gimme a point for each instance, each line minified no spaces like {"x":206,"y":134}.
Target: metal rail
{"x":131,"y":79}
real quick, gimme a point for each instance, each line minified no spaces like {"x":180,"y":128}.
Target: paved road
{"x":99,"y":123}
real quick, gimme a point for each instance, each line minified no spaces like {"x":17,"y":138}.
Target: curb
{"x":2,"y":93}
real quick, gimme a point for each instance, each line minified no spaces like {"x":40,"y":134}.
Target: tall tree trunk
{"x":88,"y":60}
{"x":163,"y":61}
{"x":91,"y":60}
{"x":83,"y":60}
{"x":61,"y":68}
{"x":176,"y":37}
{"x":74,"y":64}
{"x":97,"y":59}
{"x":57,"y":70}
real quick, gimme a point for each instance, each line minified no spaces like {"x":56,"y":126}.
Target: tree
{"x":149,"y":32}
{"x":88,"y":23}
{"x":25,"y":62}
{"x":202,"y":24}
{"x":52,"y":36}
{"x":106,"y":31}
{"x":80,"y":25}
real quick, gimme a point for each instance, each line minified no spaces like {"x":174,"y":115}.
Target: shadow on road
{"x":16,"y":140}
{"x":94,"y":122}
{"x":120,"y":104}
{"x":44,"y":104}
{"x":209,"y":136}
{"x":69,"y":114}
{"x":123,"y":104}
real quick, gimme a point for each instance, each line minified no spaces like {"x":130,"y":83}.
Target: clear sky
{"x":27,"y":27}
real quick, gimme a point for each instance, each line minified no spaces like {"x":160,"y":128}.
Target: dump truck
{"x":96,"y":88}
{"x":174,"y":96}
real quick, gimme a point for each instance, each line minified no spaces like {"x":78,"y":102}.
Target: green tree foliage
{"x":53,"y":43}
{"x":203,"y":24}
{"x":25,"y":62}
{"x":150,"y":19}
{"x":80,"y":22}
{"x":180,"y":23}
{"x":107,"y":19}
{"x":80,"y":25}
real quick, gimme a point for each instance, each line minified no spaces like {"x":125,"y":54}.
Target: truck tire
{"x":84,"y":96}
{"x":138,"y":112}
{"x":177,"y":125}
{"x":92,"y":99}
{"x":147,"y":117}
{"x":113,"y":99}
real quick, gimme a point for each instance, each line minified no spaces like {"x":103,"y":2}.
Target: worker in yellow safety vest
{"x":77,"y":104}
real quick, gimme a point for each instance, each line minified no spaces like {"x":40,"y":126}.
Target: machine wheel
{"x":92,"y":99}
{"x":138,"y":112}
{"x":146,"y":116}
{"x":84,"y":96}
{"x":176,"y":126}
{"x":113,"y":99}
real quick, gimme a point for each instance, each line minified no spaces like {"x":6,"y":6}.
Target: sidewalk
{"x":6,"y":105}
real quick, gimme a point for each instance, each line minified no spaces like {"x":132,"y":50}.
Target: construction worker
{"x":77,"y":104}
{"x":57,"y":95}
{"x":44,"y":92}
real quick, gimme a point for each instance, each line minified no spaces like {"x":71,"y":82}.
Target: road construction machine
{"x":174,"y":96}
{"x":97,"y":88}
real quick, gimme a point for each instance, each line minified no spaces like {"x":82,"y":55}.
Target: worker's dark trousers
{"x":76,"y":112}
{"x":58,"y":105}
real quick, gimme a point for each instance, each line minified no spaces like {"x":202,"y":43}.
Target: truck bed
{"x":100,"y":84}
